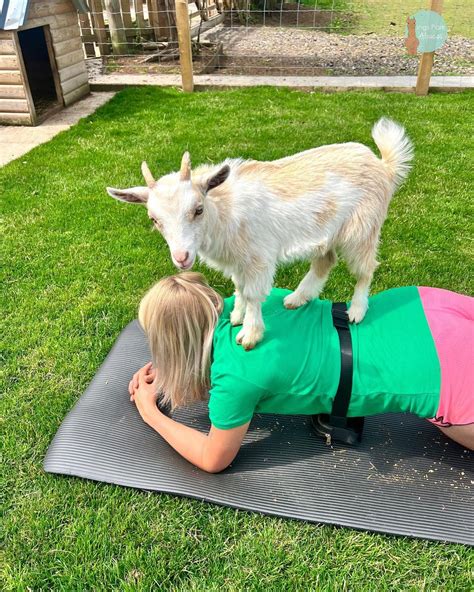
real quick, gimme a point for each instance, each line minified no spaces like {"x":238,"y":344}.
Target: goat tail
{"x":395,"y":147}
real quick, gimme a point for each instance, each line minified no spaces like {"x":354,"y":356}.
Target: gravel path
{"x":304,"y":52}
{"x":362,"y":55}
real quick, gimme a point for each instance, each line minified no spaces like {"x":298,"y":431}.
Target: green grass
{"x":377,"y":16}
{"x":76,"y":265}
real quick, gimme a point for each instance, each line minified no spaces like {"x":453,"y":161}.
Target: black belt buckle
{"x":343,"y":429}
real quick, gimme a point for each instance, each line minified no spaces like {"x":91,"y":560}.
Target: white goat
{"x":243,"y":217}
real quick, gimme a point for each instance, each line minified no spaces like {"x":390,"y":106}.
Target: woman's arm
{"x":212,"y":452}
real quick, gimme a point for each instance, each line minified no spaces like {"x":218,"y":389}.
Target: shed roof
{"x":13,"y":12}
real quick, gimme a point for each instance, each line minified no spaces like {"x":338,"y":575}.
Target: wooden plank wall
{"x":15,"y":107}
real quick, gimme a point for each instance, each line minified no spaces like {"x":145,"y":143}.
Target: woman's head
{"x":179,"y":315}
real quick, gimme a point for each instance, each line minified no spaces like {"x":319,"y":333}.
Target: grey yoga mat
{"x":405,"y":478}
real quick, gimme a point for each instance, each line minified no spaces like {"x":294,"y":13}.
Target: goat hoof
{"x":240,"y":336}
{"x":248,"y":338}
{"x":293,"y":301}
{"x":248,"y":346}
{"x":356,"y":312}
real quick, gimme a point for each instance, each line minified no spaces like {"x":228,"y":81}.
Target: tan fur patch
{"x":298,"y":175}
{"x":322,"y":265}
{"x":328,"y":212}
{"x":288,"y":180}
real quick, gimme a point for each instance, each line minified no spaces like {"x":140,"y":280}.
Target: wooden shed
{"x":42,"y":65}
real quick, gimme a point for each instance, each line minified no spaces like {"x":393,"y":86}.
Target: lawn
{"x":76,"y":265}
{"x":388,"y":17}
{"x":378,"y":15}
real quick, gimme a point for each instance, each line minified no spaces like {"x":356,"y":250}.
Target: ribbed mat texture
{"x":405,"y":478}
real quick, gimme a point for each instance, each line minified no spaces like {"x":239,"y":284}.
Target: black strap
{"x":341,"y":401}
{"x":337,"y":426}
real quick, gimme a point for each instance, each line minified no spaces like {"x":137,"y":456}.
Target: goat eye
{"x":199,"y":211}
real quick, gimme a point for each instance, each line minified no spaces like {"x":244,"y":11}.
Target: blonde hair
{"x":179,"y":315}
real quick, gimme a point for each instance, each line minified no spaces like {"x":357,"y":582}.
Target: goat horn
{"x":147,"y":175}
{"x":185,"y":172}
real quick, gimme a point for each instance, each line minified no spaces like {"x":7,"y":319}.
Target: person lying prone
{"x":411,"y":354}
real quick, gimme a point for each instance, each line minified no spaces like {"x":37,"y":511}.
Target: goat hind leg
{"x":313,"y":282}
{"x":363,"y":268}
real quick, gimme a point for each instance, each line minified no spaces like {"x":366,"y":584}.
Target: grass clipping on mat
{"x":76,"y":266}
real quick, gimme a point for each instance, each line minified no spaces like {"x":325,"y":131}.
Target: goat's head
{"x":177,"y":206}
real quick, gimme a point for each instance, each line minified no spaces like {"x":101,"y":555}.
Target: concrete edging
{"x":305,"y":83}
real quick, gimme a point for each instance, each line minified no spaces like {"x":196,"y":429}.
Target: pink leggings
{"x":450,"y":317}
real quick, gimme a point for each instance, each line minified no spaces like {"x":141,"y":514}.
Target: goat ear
{"x":137,"y":195}
{"x":218,"y":178}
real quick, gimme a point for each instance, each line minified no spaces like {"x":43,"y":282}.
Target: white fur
{"x":247,"y":227}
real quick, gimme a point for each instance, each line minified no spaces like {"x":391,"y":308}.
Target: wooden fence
{"x":121,"y":26}
{"x":124,"y":26}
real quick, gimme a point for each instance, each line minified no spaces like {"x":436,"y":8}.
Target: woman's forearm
{"x":188,"y":442}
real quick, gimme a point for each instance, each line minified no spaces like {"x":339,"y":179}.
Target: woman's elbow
{"x":215,"y":463}
{"x":215,"y":466}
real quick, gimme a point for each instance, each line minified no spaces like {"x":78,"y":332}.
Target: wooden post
{"x":169,"y":16}
{"x":153,"y":19}
{"x":426,"y":61}
{"x":163,"y":21}
{"x":127,"y":18}
{"x":99,"y":26}
{"x":117,"y":32}
{"x":184,"y":40}
{"x":140,"y":18}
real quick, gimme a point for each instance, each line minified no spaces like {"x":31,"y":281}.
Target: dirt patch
{"x":205,"y":61}
{"x":271,"y":66}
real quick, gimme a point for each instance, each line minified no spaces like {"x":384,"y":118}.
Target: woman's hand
{"x":143,"y":391}
{"x":150,"y":375}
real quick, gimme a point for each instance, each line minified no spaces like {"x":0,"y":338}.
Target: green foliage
{"x":76,"y":266}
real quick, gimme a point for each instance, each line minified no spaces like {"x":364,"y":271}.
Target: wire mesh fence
{"x":268,"y":37}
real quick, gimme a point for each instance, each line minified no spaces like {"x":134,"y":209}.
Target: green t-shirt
{"x":295,"y":369}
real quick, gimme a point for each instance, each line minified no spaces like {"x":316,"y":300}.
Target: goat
{"x":243,"y":217}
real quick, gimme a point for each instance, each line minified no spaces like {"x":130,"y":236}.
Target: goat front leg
{"x":253,"y":327}
{"x":238,"y":313}
{"x":254,"y":289}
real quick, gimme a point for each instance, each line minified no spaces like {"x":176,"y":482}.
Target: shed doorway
{"x":40,"y":70}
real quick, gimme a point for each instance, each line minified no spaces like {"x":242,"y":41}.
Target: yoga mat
{"x":405,"y":477}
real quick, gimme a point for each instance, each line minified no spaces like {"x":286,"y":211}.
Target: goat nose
{"x":180,"y":256}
